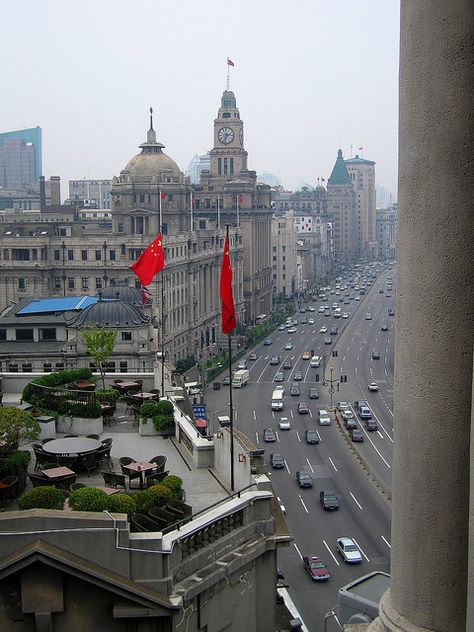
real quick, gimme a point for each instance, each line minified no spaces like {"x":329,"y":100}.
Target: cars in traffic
{"x":310,"y":321}
{"x":226,"y":381}
{"x":313,"y":393}
{"x":371,"y":425}
{"x":334,"y":331}
{"x":304,"y":479}
{"x":356,"y":435}
{"x":329,"y":500}
{"x":281,"y":327}
{"x":368,"y":316}
{"x":287,"y":364}
{"x":345,"y":315}
{"x":274,"y":360}
{"x":373,"y":387}
{"x":284,"y":423}
{"x":306,"y":355}
{"x":315,"y":361}
{"x":311,"y":436}
{"x":298,"y":376}
{"x":323,"y":330}
{"x":349,"y":420}
{"x":267,"y":342}
{"x":253,"y":356}
{"x":292,"y":330}
{"x":295,"y":389}
{"x":277,"y":461}
{"x":323,"y":417}
{"x":375,"y":355}
{"x":288,"y":346}
{"x":269,"y":435}
{"x":303,"y":408}
{"x":343,"y":406}
{"x":279,"y":377}
{"x":391,"y":312}
{"x":384,"y":327}
{"x":316,"y":568}
{"x":349,"y":550}
{"x":327,"y":340}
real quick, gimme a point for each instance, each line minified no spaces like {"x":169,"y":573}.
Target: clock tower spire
{"x":228,"y":156}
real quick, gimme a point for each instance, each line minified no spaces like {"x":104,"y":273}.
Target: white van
{"x":315,"y":362}
{"x":324,"y":418}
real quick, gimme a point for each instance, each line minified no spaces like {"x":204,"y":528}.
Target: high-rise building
{"x":197,"y":165}
{"x":90,"y":193}
{"x":362,"y":174}
{"x":341,"y":205}
{"x":284,"y":255}
{"x":20,"y":158}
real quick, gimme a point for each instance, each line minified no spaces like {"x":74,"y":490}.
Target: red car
{"x":268,"y":435}
{"x":316,"y":568}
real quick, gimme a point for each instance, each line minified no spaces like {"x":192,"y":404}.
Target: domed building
{"x":150,"y":181}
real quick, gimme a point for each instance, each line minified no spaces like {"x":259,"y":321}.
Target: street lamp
{"x":330,"y":383}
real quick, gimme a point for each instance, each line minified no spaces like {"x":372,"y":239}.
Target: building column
{"x":434,"y":326}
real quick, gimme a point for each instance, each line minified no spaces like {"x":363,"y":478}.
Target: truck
{"x":277,"y":399}
{"x":240,"y":378}
{"x":328,"y":500}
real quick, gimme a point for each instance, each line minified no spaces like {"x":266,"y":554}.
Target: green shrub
{"x":148,"y":409}
{"x":109,"y":393}
{"x":88,"y":499}
{"x":15,"y":463}
{"x":42,"y":498}
{"x":163,"y":422}
{"x":80,"y":409}
{"x":175,"y":484}
{"x":121,"y":503}
{"x":161,"y":413}
{"x":16,"y":427}
{"x":159,"y":494}
{"x":165,"y":407}
{"x":142,"y":500}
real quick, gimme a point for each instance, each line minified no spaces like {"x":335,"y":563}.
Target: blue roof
{"x":49,"y":305}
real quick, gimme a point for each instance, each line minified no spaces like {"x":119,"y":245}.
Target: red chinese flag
{"x":227,"y":302}
{"x":230,"y":62}
{"x":163,"y":196}
{"x":151,"y":261}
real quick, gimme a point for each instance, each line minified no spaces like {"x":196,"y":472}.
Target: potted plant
{"x":156,"y":418}
{"x":16,"y":427}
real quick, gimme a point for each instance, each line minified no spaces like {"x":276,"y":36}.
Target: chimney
{"x":55,"y":184}
{"x":42,"y":193}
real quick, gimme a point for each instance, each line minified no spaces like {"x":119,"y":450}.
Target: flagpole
{"x":218,"y":214}
{"x":228,"y":66}
{"x":231,"y":412}
{"x":162,"y":334}
{"x":238,"y":218}
{"x":192,"y":218}
{"x":159,"y":207}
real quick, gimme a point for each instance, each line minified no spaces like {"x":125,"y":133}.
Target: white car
{"x":282,"y":506}
{"x":357,"y":298}
{"x":343,"y":406}
{"x":349,"y":550}
{"x":284,"y":423}
{"x":279,"y":387}
{"x":347,"y":414}
{"x":324,"y":418}
{"x":292,"y":330}
{"x":310,"y":321}
{"x":345,"y":315}
{"x":323,"y":330}
{"x":321,"y":309}
{"x":373,"y":387}
{"x":368,"y":316}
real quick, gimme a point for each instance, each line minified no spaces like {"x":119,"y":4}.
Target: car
{"x":349,"y":550}
{"x":288,"y":346}
{"x":298,"y":376}
{"x":343,"y":406}
{"x":311,"y":309}
{"x":316,"y":568}
{"x":327,"y":313}
{"x":310,"y":321}
{"x":324,"y":418}
{"x":281,"y":327}
{"x":356,"y":435}
{"x":253,"y":356}
{"x":375,"y":355}
{"x":313,"y":393}
{"x":269,"y":435}
{"x":242,"y":364}
{"x":347,"y":414}
{"x":281,"y":505}
{"x":381,"y":290}
{"x":292,"y":330}
{"x":312,"y":436}
{"x":371,"y":425}
{"x":321,"y":309}
{"x":384,"y":327}
{"x":303,"y":320}
{"x":306,"y":355}
{"x":268,"y":342}
{"x":315,"y":361}
{"x":357,"y":298}
{"x":334,"y":331}
{"x":279,"y":377}
{"x":350,"y":422}
{"x":373,"y":387}
{"x":345,"y":315}
{"x":304,"y":479}
{"x":391,"y":312}
{"x":284,"y":423}
{"x":274,"y":360}
{"x":303,"y":310}
{"x":226,"y":381}
{"x":323,"y":330}
{"x":277,"y":461}
{"x":329,"y":500}
{"x":303,"y":408}
{"x":328,"y":340}
{"x":368,"y":316}
{"x":295,"y":389}
{"x":287,"y":364}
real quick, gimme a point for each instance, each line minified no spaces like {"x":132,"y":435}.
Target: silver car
{"x":349,"y":550}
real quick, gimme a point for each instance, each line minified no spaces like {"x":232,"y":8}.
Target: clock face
{"x":241,"y":136}
{"x":225,"y":135}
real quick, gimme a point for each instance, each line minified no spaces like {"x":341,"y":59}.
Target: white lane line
{"x":236,"y":414}
{"x":254,"y":415}
{"x":309,"y":465}
{"x":278,"y":437}
{"x":302,"y":502}
{"x":380,"y":434}
{"x":298,"y":436}
{"x":361,"y":550}
{"x":332,"y":463}
{"x":356,"y":501}
{"x":310,"y":413}
{"x":297,"y":550}
{"x":386,"y":542}
{"x":286,"y":465}
{"x":256,"y":435}
{"x":330,"y":552}
{"x":291,"y":413}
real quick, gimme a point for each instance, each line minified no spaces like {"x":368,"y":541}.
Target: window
{"x":59,"y":366}
{"x":47,"y":334}
{"x":123,"y":367}
{"x":20,"y":254}
{"x":98,"y":255}
{"x":84,"y":255}
{"x":13,"y":367}
{"x":71,"y":284}
{"x":98,"y":283}
{"x":47,"y":367}
{"x":126,"y":336}
{"x":112,"y":255}
{"x":57,"y":283}
{"x":26,"y":368}
{"x":231,"y":166}
{"x":70,"y":255}
{"x":120,"y":228}
{"x":57,"y":255}
{"x":142,"y":199}
{"x":110,"y":367}
{"x":23,"y":334}
{"x":85,"y":283}
{"x":21,"y":284}
{"x":3,"y":334}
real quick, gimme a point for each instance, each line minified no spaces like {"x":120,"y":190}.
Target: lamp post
{"x":330,"y":383}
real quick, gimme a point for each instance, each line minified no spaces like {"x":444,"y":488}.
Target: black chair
{"x":48,"y":465}
{"x":107,"y":441}
{"x":74,"y":486}
{"x":92,"y":436}
{"x":160,"y":462}
{"x":124,"y":461}
{"x":103,"y":455}
{"x":155,"y":477}
{"x":43,"y":441}
{"x":141,"y":523}
{"x":37,"y":480}
{"x":108,"y":415}
{"x":70,"y":436}
{"x":64,"y":482}
{"x":11,"y":489}
{"x":67,"y":461}
{"x":88,"y":462}
{"x":42,"y":459}
{"x":111,"y":479}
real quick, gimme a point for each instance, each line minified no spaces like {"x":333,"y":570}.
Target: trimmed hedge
{"x":121,"y":503}
{"x":175,"y":484}
{"x":44,"y":497}
{"x":88,"y":499}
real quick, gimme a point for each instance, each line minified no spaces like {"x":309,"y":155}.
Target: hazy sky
{"x":310,"y":76}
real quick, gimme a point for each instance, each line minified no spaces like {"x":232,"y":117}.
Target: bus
{"x":277,"y":400}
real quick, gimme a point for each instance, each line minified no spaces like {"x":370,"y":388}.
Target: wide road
{"x":363,"y":514}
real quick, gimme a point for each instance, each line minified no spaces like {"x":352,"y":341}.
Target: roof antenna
{"x":151,"y":118}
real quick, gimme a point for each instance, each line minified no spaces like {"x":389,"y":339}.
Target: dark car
{"x":334,"y":331}
{"x":328,"y":500}
{"x":287,"y":364}
{"x":384,"y":327}
{"x":303,"y":408}
{"x":268,"y":342}
{"x":226,"y":381}
{"x":391,"y":312}
{"x":277,"y":461}
{"x":327,"y":340}
{"x":316,"y":568}
{"x":295,"y":389}
{"x":350,"y":423}
{"x":311,"y":436}
{"x":304,"y":479}
{"x":275,"y":360}
{"x":375,"y":355}
{"x":269,"y":435}
{"x":298,"y":376}
{"x":313,"y":393}
{"x":356,"y":435}
{"x":371,"y":425}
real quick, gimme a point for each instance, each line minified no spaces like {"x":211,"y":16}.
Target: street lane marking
{"x":258,"y":440}
{"x":298,"y":436}
{"x":255,"y":415}
{"x":380,"y":434}
{"x":310,"y":466}
{"x":361,"y":550}
{"x":386,"y":542}
{"x":278,"y":437}
{"x":291,"y":413}
{"x":310,"y":413}
{"x":297,"y":550}
{"x":356,"y":501}
{"x":331,"y":553}
{"x":332,"y":463}
{"x":302,"y":502}
{"x":286,"y":465}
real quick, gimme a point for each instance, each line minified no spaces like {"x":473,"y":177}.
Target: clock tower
{"x":228,"y":157}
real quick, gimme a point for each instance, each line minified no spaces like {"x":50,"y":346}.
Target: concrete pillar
{"x":55,"y":190}
{"x":434,"y":327}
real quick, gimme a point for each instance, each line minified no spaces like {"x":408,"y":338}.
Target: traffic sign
{"x":331,"y":390}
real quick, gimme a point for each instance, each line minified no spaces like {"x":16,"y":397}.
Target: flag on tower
{"x":227,"y":301}
{"x":240,"y":199}
{"x":146,"y":294}
{"x":163,"y":196}
{"x":361,"y":148}
{"x":323,"y":179}
{"x":230,"y":62}
{"x":150,"y":262}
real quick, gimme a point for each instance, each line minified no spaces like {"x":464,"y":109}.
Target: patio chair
{"x":43,"y":441}
{"x":64,"y":482}
{"x":70,"y":436}
{"x":160,"y":462}
{"x":49,"y":465}
{"x":67,"y":461}
{"x":11,"y":489}
{"x":92,"y":436}
{"x":111,"y":479}
{"x":179,"y":508}
{"x":154,"y":478}
{"x":37,"y":480}
{"x":108,"y":415}
{"x":142,"y":523}
{"x":107,"y":441}
{"x":103,"y":456}
{"x":74,"y":486}
{"x":88,"y":462}
{"x":126,"y":460}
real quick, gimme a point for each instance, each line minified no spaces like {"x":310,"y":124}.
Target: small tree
{"x":99,"y":343}
{"x":16,"y":427}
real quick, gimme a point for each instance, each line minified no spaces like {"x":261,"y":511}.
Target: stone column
{"x":434,"y":326}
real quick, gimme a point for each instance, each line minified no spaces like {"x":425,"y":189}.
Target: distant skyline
{"x":309,"y":78}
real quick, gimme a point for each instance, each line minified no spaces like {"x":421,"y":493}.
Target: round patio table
{"x":72,"y":445}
